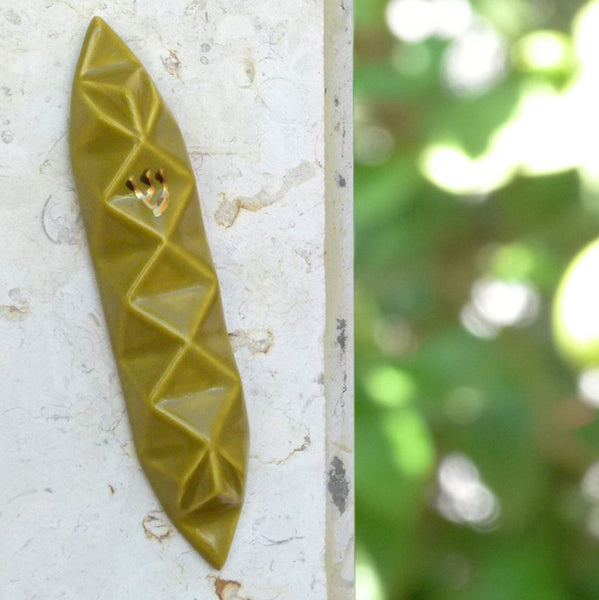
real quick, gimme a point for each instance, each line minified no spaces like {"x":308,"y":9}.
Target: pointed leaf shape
{"x":160,"y":295}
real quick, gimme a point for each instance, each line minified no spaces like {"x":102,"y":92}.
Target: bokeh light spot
{"x":576,"y":310}
{"x":475,"y":61}
{"x":588,"y":387}
{"x":374,"y":144}
{"x":410,"y":20}
{"x":462,"y":496}
{"x":590,"y":482}
{"x":368,"y":582}
{"x":505,"y":303}
{"x":410,"y":441}
{"x":390,"y":387}
{"x":497,"y":303}
{"x":453,"y":17}
{"x":417,"y":20}
{"x":452,"y":170}
{"x":543,"y":51}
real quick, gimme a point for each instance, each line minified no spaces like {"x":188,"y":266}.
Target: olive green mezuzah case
{"x":159,"y":292}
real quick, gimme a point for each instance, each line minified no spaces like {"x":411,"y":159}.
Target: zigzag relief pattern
{"x":160,"y":294}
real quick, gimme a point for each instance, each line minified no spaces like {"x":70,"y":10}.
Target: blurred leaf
{"x":471,"y":121}
{"x":590,"y":433}
{"x":370,"y":13}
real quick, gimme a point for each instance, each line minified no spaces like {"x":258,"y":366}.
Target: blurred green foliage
{"x":475,"y":188}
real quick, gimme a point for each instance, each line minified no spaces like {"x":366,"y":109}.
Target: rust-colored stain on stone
{"x":227,"y":589}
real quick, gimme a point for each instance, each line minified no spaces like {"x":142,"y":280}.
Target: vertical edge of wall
{"x":339,"y":345}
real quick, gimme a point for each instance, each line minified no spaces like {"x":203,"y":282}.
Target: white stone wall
{"x":245,"y":80}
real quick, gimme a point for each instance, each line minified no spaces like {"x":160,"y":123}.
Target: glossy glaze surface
{"x":160,"y":295}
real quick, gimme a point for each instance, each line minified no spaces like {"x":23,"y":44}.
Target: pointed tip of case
{"x":98,"y":24}
{"x":211,"y":534}
{"x":102,"y":47}
{"x":96,"y":20}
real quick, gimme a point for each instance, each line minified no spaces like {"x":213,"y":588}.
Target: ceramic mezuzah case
{"x":159,"y":292}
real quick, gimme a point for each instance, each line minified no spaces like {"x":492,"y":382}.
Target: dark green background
{"x":427,"y":387}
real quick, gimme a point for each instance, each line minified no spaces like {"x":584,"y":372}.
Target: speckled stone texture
{"x":271,"y":153}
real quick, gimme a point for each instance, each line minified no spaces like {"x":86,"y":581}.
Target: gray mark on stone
{"x":342,"y":337}
{"x":204,"y":60}
{"x":205,"y":48}
{"x":24,"y":545}
{"x":281,"y":542}
{"x":338,"y":485}
{"x":25,"y":493}
{"x":7,"y":136}
{"x":12,"y":17}
{"x":340,"y":180}
{"x":62,"y":223}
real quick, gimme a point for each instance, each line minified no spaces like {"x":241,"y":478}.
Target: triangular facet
{"x":199,"y":486}
{"x":99,"y":143}
{"x":133,"y":210}
{"x":111,"y":101}
{"x":171,"y":292}
{"x":126,"y":254}
{"x":146,"y":352}
{"x":113,"y":54}
{"x":169,"y":448}
{"x":232,"y":426}
{"x":189,"y":235}
{"x":197,"y":411}
{"x":229,"y":486}
{"x":213,"y":485}
{"x":193,"y":374}
{"x":211,"y":334}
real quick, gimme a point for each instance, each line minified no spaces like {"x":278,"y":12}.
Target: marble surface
{"x":245,"y":80}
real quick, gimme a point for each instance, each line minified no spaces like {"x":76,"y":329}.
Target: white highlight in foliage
{"x":411,"y":20}
{"x":505,"y":303}
{"x":590,"y":482}
{"x":453,"y":17}
{"x":463,"y":497}
{"x":416,"y":20}
{"x":588,"y":387}
{"x":451,"y":169}
{"x":368,"y":581}
{"x":475,"y":60}
{"x":496,"y":304}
